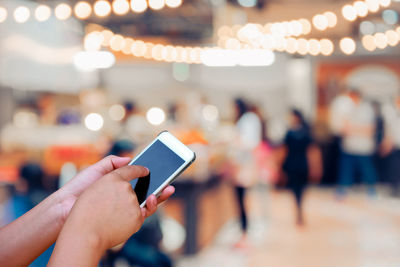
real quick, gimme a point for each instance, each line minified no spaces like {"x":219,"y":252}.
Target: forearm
{"x":30,"y":235}
{"x":77,"y":247}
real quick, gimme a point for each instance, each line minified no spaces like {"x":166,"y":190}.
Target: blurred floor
{"x":355,"y":232}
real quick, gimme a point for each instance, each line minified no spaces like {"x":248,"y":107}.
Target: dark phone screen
{"x":162,"y":163}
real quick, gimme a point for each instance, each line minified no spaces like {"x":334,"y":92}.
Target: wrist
{"x":64,"y":203}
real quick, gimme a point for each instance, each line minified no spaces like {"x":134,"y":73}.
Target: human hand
{"x":105,"y":215}
{"x":69,"y":193}
{"x":109,"y":210}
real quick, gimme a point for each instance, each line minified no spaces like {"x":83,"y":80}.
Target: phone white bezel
{"x":178,"y":148}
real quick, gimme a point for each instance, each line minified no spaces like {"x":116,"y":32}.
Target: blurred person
{"x":391,"y":143}
{"x":338,"y":110}
{"x":248,"y":128}
{"x":141,"y":249}
{"x":380,"y":158}
{"x":297,"y":165}
{"x":358,"y":145}
{"x":93,"y":212}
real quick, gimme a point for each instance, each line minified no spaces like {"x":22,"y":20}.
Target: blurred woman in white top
{"x":249,"y":131}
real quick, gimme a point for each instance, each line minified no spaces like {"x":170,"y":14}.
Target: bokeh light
{"x":3,"y":14}
{"x":306,"y":26}
{"x":326,"y":47}
{"x":392,"y":37}
{"x":367,"y":27}
{"x":21,"y":14}
{"x":83,"y":10}
{"x":116,"y":112}
{"x":42,"y":13}
{"x":332,"y":19}
{"x":156,"y":4}
{"x":62,"y":11}
{"x":210,"y":113}
{"x":347,"y":45}
{"x":102,"y":8}
{"x":349,"y":12}
{"x":138,"y":6}
{"x":173,"y":3}
{"x":381,"y":40}
{"x":116,"y":42}
{"x":94,"y":121}
{"x":320,"y":22}
{"x":368,"y":42}
{"x":155,"y":116}
{"x":361,"y":8}
{"x":120,"y":7}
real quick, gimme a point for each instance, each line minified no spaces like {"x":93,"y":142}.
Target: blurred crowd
{"x":364,"y":145}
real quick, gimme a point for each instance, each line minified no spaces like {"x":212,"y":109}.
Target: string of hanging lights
{"x":84,"y":10}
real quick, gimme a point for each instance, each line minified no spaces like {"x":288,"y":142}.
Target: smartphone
{"x":166,"y":158}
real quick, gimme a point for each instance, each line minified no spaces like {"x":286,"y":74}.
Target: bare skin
{"x":36,"y":230}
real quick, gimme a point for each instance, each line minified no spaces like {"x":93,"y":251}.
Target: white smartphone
{"x":166,"y":157}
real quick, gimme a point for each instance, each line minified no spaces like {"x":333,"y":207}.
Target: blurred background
{"x":292,"y":107}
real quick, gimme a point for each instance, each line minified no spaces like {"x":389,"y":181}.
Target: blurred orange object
{"x":80,"y":155}
{"x":191,"y":137}
{"x":8,"y":174}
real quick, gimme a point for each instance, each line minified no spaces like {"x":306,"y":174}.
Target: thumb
{"x":131,"y":172}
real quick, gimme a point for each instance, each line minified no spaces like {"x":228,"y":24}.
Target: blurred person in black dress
{"x":301,"y":157}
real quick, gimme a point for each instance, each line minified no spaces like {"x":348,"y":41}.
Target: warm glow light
{"x":210,"y":113}
{"x":83,"y":10}
{"x":302,"y":46}
{"x":368,"y":41}
{"x":138,"y":6}
{"x":373,"y":5}
{"x":102,"y":8}
{"x":326,"y":47}
{"x":332,"y":19}
{"x":230,"y":58}
{"x":392,"y":37}
{"x":381,"y":40}
{"x":120,"y":7}
{"x":3,"y":14}
{"x":361,"y":8}
{"x":291,"y":45}
{"x":320,"y":22}
{"x":173,"y":3}
{"x":127,"y":46}
{"x":21,"y":14}
{"x":232,"y":43}
{"x":155,"y":116}
{"x":385,"y":3}
{"x":92,"y":60}
{"x":347,"y":45}
{"x":107,"y":35}
{"x":138,"y":48}
{"x":93,"y":41}
{"x":42,"y":13}
{"x":306,"y":26}
{"x":349,"y":12}
{"x":94,"y":121}
{"x":398,"y":30}
{"x":116,"y":112}
{"x":156,"y":4}
{"x":314,"y":47}
{"x":297,"y":27}
{"x":116,"y":42}
{"x":63,"y":11}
